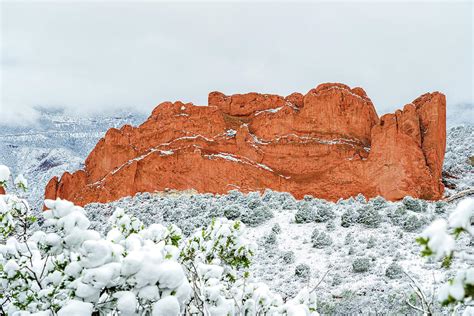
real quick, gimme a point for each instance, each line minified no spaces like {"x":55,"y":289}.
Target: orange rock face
{"x":329,"y":143}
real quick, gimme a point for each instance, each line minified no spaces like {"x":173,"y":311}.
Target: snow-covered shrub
{"x":330,"y":226}
{"x":361,"y":198}
{"x":320,"y":239}
{"x":270,"y":239}
{"x":369,"y":217}
{"x":378,"y":203}
{"x":349,"y":217}
{"x":412,"y":223}
{"x":305,"y":213}
{"x":311,"y":210}
{"x":288,"y":202}
{"x":394,"y":271}
{"x":14,"y":211}
{"x":438,"y":240}
{"x":398,"y":215}
{"x":324,"y":213}
{"x":232,"y":211}
{"x":360,"y":265}
{"x":288,"y":257}
{"x":276,"y":228}
{"x":256,"y":216}
{"x":130,"y":271}
{"x":440,"y":207}
{"x":415,"y":205}
{"x":303,"y":271}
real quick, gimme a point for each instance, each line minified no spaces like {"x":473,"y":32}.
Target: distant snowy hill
{"x":55,"y":144}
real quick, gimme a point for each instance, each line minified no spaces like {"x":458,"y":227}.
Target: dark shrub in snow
{"x":320,"y":239}
{"x":303,"y":271}
{"x":360,"y":265}
{"x":323,"y":213}
{"x":378,"y":203}
{"x":349,"y":217}
{"x":232,"y":211}
{"x":440,"y":207}
{"x":369,"y":217}
{"x":398,"y":215}
{"x":330,"y":226}
{"x":415,"y":205}
{"x":349,"y":239}
{"x":394,"y":271}
{"x":276,"y":228}
{"x":288,"y":257}
{"x":254,"y":202}
{"x":361,"y":199}
{"x":270,"y":239}
{"x":257,"y":216}
{"x":305,"y":213}
{"x":412,"y":223}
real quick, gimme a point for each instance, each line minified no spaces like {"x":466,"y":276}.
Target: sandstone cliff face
{"x":329,"y":143}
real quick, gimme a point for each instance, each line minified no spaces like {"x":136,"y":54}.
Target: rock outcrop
{"x":329,"y":143}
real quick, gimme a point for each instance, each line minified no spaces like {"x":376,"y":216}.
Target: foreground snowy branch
{"x":439,"y":241}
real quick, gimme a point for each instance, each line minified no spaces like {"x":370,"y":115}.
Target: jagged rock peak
{"x":329,"y":143}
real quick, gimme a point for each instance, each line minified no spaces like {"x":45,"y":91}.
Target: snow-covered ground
{"x":370,"y":243}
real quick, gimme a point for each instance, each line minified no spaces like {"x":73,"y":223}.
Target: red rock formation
{"x":329,"y":143}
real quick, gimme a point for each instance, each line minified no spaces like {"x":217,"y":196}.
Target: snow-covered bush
{"x":270,"y":240}
{"x":349,"y":218}
{"x":394,"y":271}
{"x":232,"y":211}
{"x":256,"y":216}
{"x":369,"y":217}
{"x":330,"y":226}
{"x":305,"y":214}
{"x":415,"y":205}
{"x":313,"y":210}
{"x":438,"y":241}
{"x":378,"y":203}
{"x":276,"y":228}
{"x":303,"y":271}
{"x":320,"y":239}
{"x":288,"y":257}
{"x":412,"y":223}
{"x":360,"y":265}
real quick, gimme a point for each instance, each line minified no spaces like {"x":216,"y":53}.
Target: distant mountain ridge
{"x":57,"y":143}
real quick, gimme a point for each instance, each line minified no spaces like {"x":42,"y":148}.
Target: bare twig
{"x":321,"y":280}
{"x":421,"y":295}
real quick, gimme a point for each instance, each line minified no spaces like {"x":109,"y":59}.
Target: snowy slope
{"x":384,"y":241}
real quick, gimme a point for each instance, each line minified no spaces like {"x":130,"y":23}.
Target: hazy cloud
{"x":97,"y":56}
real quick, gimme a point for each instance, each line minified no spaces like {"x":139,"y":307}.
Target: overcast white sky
{"x":101,"y":55}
